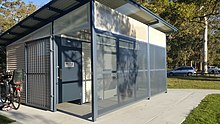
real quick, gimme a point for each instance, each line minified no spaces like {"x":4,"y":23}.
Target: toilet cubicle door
{"x":70,"y":70}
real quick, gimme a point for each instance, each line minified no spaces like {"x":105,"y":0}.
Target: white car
{"x":188,"y":70}
{"x":213,"y":69}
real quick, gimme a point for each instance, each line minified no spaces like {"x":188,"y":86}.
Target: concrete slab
{"x":170,"y":108}
{"x":83,"y":110}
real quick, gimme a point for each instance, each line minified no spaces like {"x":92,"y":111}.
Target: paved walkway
{"x":170,"y":108}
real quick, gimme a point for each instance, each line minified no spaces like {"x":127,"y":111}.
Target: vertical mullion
{"x":118,"y":74}
{"x":26,"y":71}
{"x":148,"y":63}
{"x":94,"y":56}
{"x":51,"y":74}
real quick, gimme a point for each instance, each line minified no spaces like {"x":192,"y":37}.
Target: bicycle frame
{"x":12,"y":91}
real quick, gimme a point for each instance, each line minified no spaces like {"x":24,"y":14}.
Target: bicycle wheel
{"x":3,"y":96}
{"x":3,"y":99}
{"x":16,"y":99}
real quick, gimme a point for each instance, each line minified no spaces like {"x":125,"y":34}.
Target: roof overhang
{"x":46,"y":14}
{"x":140,"y":13}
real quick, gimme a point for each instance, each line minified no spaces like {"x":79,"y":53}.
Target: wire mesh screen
{"x":157,"y":69}
{"x":38,"y":73}
{"x":121,"y":72}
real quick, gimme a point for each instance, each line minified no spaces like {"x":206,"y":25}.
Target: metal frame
{"x":26,"y":63}
{"x":166,"y":66}
{"x":52,"y":73}
{"x":26,"y":70}
{"x":55,"y":71}
{"x":94,"y":59}
{"x":148,"y":62}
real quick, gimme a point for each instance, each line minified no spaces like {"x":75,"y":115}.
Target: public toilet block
{"x":101,"y":53}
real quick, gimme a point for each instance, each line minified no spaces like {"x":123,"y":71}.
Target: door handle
{"x":60,"y":73}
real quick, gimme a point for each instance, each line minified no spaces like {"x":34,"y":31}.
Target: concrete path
{"x":170,"y":108}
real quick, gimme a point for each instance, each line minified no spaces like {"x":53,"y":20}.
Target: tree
{"x":11,"y":12}
{"x":186,"y":45}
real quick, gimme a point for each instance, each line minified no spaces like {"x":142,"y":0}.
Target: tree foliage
{"x":11,"y":12}
{"x":186,"y":45}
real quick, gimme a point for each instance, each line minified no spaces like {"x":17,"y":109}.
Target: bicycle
{"x":11,"y":86}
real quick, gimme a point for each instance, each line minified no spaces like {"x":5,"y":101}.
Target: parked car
{"x":184,"y":70}
{"x":213,"y":69}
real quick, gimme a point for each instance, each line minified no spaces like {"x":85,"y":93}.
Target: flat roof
{"x":140,"y":13}
{"x":56,"y":8}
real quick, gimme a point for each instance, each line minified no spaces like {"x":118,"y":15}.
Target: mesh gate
{"x":38,"y":73}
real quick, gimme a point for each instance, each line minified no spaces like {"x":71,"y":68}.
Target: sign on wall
{"x":69,"y":65}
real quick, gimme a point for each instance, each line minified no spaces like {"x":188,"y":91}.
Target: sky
{"x":39,"y":3}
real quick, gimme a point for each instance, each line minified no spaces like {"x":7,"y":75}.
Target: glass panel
{"x":106,"y":71}
{"x":74,"y":24}
{"x":42,"y":32}
{"x":127,"y":70}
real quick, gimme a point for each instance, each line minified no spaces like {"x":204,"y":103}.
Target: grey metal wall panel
{"x":158,"y":82}
{"x":38,"y":73}
{"x":157,"y":69}
{"x":16,"y":60}
{"x":142,"y":63}
{"x":157,"y":57}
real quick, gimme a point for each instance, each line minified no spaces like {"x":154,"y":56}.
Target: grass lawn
{"x":208,"y":111}
{"x":194,"y":82}
{"x":5,"y":120}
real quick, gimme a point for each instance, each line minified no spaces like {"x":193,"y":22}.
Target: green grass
{"x":5,"y":120}
{"x":207,"y":112}
{"x":194,"y":83}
